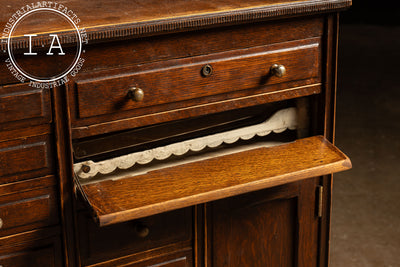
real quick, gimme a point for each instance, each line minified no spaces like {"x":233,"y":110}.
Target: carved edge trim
{"x":280,"y":121}
{"x":135,"y":30}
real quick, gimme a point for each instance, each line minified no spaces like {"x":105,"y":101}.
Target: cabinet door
{"x":273,"y":227}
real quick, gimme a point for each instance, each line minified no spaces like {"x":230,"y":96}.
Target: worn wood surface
{"x":122,"y":53}
{"x":25,"y":157}
{"x":104,"y":20}
{"x":272,"y":227}
{"x":176,"y":89}
{"x":182,"y":80}
{"x":28,"y":210}
{"x":34,"y":248}
{"x":186,"y":185}
{"x":22,"y":106}
{"x":107,"y":243}
{"x":168,"y":256}
{"x":161,"y":43}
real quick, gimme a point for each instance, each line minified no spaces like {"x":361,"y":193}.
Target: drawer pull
{"x":142,"y":230}
{"x":1,"y":224}
{"x":278,"y":70}
{"x":136,"y":94}
{"x":207,"y":70}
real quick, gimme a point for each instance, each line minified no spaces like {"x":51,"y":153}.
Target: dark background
{"x":366,"y":200}
{"x":381,"y":12}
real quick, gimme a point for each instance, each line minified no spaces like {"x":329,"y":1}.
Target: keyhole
{"x":207,"y":70}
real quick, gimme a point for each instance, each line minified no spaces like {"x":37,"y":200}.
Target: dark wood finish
{"x":332,"y":28}
{"x":273,"y":227}
{"x":25,"y":158}
{"x":178,"y":259}
{"x":28,"y":210}
{"x":182,"y":80}
{"x":32,"y":251}
{"x":158,"y":257}
{"x":235,"y":100}
{"x":22,"y":105}
{"x":106,"y":243}
{"x":149,"y":18}
{"x":178,"y":45}
{"x":228,"y":217}
{"x":64,"y":171}
{"x":185,"y":185}
{"x":221,"y":91}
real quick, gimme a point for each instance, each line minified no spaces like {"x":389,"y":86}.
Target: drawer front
{"x":176,"y":258}
{"x":37,"y":252}
{"x":103,"y":243}
{"x":186,"y":81}
{"x":181,"y":84}
{"x":22,"y":211}
{"x":25,"y":158}
{"x":22,"y":105}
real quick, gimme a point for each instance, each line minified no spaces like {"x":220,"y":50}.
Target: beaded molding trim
{"x":280,"y":121}
{"x":184,"y":23}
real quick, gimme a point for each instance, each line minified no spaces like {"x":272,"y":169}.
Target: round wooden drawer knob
{"x":136,"y":94}
{"x":142,"y":230}
{"x":1,"y":223}
{"x":278,"y":70}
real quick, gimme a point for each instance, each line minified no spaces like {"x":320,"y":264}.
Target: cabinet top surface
{"x":133,"y":18}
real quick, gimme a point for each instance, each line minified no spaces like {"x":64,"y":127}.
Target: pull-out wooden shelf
{"x":114,"y":201}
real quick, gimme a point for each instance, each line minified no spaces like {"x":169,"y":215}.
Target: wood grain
{"x":198,"y":182}
{"x":26,"y":157}
{"x":28,"y":210}
{"x":34,"y":248}
{"x":22,"y":105}
{"x":122,"y":53}
{"x":182,"y":80}
{"x":104,"y":20}
{"x":120,"y":240}
{"x":176,"y":89}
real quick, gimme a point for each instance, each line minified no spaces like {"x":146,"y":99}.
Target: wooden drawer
{"x":31,"y":249}
{"x":22,"y":209}
{"x":180,"y":258}
{"x":25,"y":157}
{"x":173,"y":87}
{"x":22,"y":105}
{"x":100,"y":244}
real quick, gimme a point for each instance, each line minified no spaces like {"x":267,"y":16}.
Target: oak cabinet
{"x":194,"y":134}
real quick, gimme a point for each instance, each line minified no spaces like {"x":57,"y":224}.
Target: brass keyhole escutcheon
{"x":207,"y":70}
{"x":136,"y":94}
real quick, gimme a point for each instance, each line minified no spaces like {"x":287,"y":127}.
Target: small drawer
{"x":22,"y":105}
{"x":181,"y":258}
{"x":171,"y":88}
{"x":98,"y":244}
{"x":27,"y":210}
{"x":25,"y":158}
{"x":27,"y":250}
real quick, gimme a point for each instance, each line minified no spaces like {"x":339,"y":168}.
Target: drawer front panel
{"x":36,"y":252}
{"x":27,"y":210}
{"x":183,"y":80}
{"x":180,"y":258}
{"x":102,"y":243}
{"x":22,"y":105}
{"x":25,"y":158}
